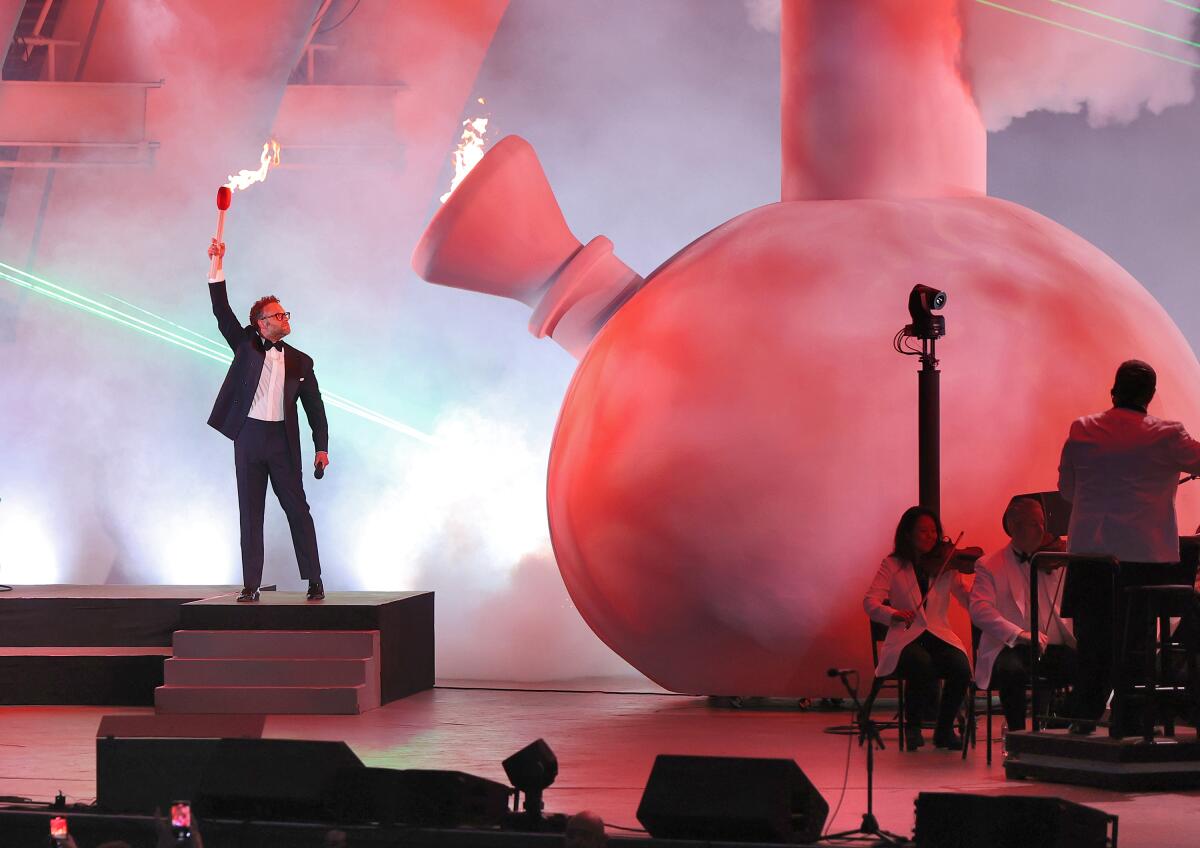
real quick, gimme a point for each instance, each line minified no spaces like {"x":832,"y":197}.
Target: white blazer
{"x":1000,"y":607}
{"x":895,"y":582}
{"x":1120,"y":470}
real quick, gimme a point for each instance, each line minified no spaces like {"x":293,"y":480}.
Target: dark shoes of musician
{"x":948,"y":739}
{"x":1082,"y":728}
{"x":316,"y":591}
{"x":248,"y":596}
{"x":913,"y":738}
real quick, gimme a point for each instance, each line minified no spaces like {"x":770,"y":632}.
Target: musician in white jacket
{"x":1000,"y":609}
{"x":920,"y":644}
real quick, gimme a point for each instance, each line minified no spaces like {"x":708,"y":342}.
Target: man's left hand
{"x":322,"y":459}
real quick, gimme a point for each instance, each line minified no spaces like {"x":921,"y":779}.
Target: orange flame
{"x":469,"y":151}
{"x":245,"y":179}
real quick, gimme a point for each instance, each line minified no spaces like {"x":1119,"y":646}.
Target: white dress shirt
{"x":268,"y":397}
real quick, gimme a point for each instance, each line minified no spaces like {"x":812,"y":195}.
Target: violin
{"x":1051,"y":544}
{"x":947,"y":555}
{"x":943,"y":556}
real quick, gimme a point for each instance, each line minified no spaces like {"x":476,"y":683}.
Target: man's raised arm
{"x":227,"y":322}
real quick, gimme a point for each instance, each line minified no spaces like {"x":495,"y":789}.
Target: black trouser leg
{"x":288,"y":483}
{"x":250,"y":468}
{"x":1094,"y":625}
{"x":920,"y":680}
{"x":1010,"y":675}
{"x":955,"y":670}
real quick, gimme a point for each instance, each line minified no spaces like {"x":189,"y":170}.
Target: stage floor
{"x":606,"y":741}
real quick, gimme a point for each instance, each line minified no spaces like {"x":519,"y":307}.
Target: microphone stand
{"x":868,"y":734}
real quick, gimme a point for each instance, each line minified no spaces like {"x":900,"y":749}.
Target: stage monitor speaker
{"x":273,"y":779}
{"x":420,"y":797}
{"x":951,"y":820}
{"x":734,"y":799}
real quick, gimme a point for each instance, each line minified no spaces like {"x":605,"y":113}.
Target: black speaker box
{"x":419,"y":797}
{"x":951,"y":820}
{"x":273,"y":779}
{"x":734,"y":799}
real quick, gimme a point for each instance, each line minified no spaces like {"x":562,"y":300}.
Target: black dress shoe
{"x":1082,"y":728}
{"x":316,"y":592}
{"x":248,"y":596}
{"x":948,"y":739}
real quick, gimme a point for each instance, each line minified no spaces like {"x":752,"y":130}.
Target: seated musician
{"x":1000,"y":609}
{"x":911,"y":594}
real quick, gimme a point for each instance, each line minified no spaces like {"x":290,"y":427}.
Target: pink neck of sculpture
{"x":874,"y":104}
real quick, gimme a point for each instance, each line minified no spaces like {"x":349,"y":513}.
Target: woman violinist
{"x":911,"y":595}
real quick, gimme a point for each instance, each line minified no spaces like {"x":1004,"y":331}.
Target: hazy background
{"x":655,"y":121}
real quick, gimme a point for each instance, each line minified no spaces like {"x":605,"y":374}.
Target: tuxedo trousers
{"x":261,"y":454}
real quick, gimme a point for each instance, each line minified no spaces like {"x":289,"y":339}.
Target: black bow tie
{"x":267,"y":345}
{"x":1022,"y":557}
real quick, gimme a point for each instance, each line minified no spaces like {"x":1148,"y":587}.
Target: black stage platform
{"x":1124,"y":765}
{"x":106,"y":645}
{"x":89,"y":645}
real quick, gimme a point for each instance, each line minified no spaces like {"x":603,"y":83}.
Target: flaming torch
{"x":242,"y":180}
{"x":469,"y":150}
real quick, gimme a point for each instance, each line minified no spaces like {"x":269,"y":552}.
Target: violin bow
{"x":941,"y":570}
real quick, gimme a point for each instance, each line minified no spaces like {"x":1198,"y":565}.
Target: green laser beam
{"x":1060,"y":25}
{"x":1116,"y":20}
{"x":1183,"y":6}
{"x":216,"y":343}
{"x":95,"y":307}
{"x":206,"y":346}
{"x":114,"y":316}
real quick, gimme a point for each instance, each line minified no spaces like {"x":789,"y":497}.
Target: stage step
{"x":272,"y":671}
{"x":296,"y":644}
{"x":268,"y":672}
{"x":274,"y":700}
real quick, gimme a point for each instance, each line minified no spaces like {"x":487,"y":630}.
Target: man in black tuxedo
{"x":256,"y":407}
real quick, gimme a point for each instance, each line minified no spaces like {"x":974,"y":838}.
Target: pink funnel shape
{"x":501,"y":232}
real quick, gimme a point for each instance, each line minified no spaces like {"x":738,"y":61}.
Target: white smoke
{"x":763,"y":15}
{"x":1019,"y":64}
{"x":466,"y":517}
{"x":1112,"y":58}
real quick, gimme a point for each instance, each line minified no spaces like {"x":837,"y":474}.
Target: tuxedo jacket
{"x":237,"y":392}
{"x":896,"y":583}
{"x":1120,"y":469}
{"x":1000,"y":607}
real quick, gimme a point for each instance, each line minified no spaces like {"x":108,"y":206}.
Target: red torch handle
{"x":215,"y":265}
{"x":224,"y":196}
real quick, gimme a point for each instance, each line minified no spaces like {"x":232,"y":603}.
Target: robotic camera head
{"x":922,"y":301}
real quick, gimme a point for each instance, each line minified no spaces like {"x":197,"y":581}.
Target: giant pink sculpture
{"x":739,"y":438}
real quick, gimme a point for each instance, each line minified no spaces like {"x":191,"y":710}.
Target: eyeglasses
{"x":284,"y":315}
